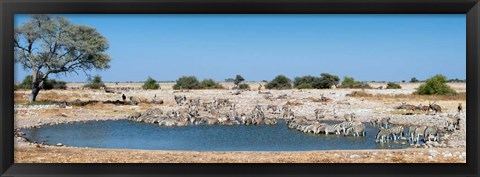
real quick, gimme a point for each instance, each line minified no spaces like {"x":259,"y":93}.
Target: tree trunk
{"x":33,"y":95}
{"x":37,"y":83}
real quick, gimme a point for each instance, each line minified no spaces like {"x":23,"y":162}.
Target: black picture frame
{"x":11,"y":7}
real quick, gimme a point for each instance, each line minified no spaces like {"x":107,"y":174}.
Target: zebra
{"x":179,"y":99}
{"x":333,"y":128}
{"x":419,"y":131}
{"x":274,"y":109}
{"x":319,"y":113}
{"x":258,"y":108}
{"x":383,"y":135}
{"x":356,"y":130}
{"x":345,"y":125}
{"x":430,"y":132}
{"x":454,"y":121}
{"x":384,"y":122}
{"x":411,"y":133}
{"x":374,"y":122}
{"x":397,"y":131}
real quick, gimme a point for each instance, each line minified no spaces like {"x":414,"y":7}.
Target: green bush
{"x":349,"y":82}
{"x":150,"y":83}
{"x":26,"y":83}
{"x":210,"y":84}
{"x":95,"y":83}
{"x":455,"y":80}
{"x":436,"y":85}
{"x":53,"y":84}
{"x":280,"y":82}
{"x":392,"y":85}
{"x":305,"y":80}
{"x":325,"y":81}
{"x":47,"y":85}
{"x":414,"y":80}
{"x":304,"y":86}
{"x":244,"y":86}
{"x":186,"y":82}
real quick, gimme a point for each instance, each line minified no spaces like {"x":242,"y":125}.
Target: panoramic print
{"x":240,"y":88}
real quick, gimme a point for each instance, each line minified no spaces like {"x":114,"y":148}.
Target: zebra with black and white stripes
{"x":335,"y":128}
{"x":345,"y":125}
{"x":397,"y":132}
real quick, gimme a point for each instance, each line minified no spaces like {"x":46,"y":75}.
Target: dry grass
{"x":293,"y":103}
{"x":359,"y":94}
{"x":320,"y":100}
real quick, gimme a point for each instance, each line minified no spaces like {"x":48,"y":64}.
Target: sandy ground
{"x":452,"y":149}
{"x":25,"y":154}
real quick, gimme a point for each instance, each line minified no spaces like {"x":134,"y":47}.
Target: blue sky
{"x":259,"y":47}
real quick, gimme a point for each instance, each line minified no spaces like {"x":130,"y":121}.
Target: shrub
{"x":95,"y":83}
{"x":150,"y":83}
{"x":325,"y":81}
{"x":304,"y":86}
{"x":455,"y":80}
{"x":305,"y":80}
{"x":47,"y":85}
{"x":210,"y":84}
{"x":349,"y":82}
{"x":229,"y":80}
{"x":392,"y":85}
{"x":414,"y":80}
{"x":26,"y":83}
{"x":435,"y":85}
{"x":186,"y":82}
{"x":53,"y":84}
{"x":244,"y":86}
{"x":280,"y":82}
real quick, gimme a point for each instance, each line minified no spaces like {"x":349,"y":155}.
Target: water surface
{"x":133,"y":135}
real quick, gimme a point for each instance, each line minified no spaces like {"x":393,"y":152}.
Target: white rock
{"x":354,"y":156}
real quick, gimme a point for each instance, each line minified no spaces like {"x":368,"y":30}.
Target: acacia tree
{"x":237,"y":80}
{"x":52,"y":45}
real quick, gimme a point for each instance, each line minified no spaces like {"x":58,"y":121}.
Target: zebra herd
{"x":194,"y":111}
{"x":388,"y":131}
{"x":350,"y":127}
{"x":197,"y":112}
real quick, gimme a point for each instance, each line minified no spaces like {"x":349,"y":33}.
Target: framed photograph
{"x":228,"y":88}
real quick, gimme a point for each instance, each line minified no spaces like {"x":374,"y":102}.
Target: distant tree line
{"x":435,"y":85}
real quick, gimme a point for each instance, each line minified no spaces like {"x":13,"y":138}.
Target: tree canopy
{"x":52,"y":45}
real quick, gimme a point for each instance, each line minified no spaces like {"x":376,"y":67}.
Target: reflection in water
{"x":132,"y":135}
